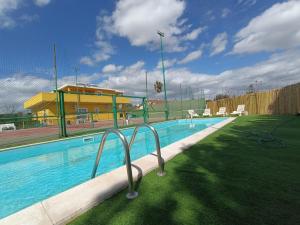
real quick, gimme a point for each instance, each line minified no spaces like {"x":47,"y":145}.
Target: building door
{"x":82,"y":115}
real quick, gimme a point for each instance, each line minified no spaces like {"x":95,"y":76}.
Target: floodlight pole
{"x":76,"y":69}
{"x":161,"y":35}
{"x":181,"y":102}
{"x":146,"y":84}
{"x":56,"y":87}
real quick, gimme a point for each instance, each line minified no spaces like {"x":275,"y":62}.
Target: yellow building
{"x":78,"y":107}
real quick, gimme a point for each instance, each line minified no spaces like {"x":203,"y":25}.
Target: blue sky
{"x":71,"y":25}
{"x":208,"y":43}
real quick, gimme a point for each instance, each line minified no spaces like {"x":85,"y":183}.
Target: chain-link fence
{"x":78,"y":109}
{"x":30,"y":105}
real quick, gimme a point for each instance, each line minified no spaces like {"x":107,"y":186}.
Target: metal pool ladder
{"x":131,"y":193}
{"x":161,"y":171}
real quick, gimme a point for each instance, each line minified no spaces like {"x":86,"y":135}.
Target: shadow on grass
{"x":225,"y":179}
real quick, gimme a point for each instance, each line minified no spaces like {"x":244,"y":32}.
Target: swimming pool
{"x":33,"y":173}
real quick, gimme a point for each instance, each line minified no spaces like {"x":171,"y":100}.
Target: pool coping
{"x":65,"y":206}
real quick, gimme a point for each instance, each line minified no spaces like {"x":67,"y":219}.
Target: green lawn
{"x":228,"y":178}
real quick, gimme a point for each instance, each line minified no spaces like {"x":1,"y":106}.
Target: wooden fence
{"x":279,"y":101}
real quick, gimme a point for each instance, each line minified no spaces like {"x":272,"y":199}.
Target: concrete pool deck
{"x":69,"y":204}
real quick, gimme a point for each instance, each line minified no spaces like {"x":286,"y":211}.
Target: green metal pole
{"x":181,"y":102}
{"x":76,"y":83}
{"x":62,"y":115}
{"x":145,"y":110}
{"x":190,"y":97}
{"x":92,"y":120}
{"x":163,"y":71}
{"x":57,"y":97}
{"x":114,"y":105}
{"x":146,"y":85}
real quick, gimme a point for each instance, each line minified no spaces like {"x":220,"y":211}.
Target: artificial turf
{"x":238,"y":175}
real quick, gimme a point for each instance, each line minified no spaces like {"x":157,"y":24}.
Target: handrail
{"x":160,"y":159}
{"x":131,"y":193}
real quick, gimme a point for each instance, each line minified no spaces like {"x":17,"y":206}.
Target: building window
{"x":82,"y":110}
{"x":82,"y":115}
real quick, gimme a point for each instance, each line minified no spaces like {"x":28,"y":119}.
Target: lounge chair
{"x":240,"y":110}
{"x":222,"y":111}
{"x":192,"y":113}
{"x":7,"y":126}
{"x":206,"y":112}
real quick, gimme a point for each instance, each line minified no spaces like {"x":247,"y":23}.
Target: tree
{"x":221,"y":96}
{"x":10,"y":108}
{"x":251,"y":89}
{"x":158,"y":86}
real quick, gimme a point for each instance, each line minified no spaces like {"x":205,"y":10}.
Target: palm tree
{"x":158,"y":86}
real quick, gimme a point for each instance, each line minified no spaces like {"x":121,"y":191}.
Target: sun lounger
{"x":192,"y":113}
{"x":239,"y":111}
{"x":7,"y":126}
{"x":206,"y":112}
{"x":222,"y":111}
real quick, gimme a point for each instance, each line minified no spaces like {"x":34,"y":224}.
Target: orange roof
{"x":88,"y":88}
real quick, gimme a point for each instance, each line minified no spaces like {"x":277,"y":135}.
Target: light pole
{"x":146,"y":85}
{"x":161,"y":35}
{"x":56,"y":91}
{"x":76,"y":69}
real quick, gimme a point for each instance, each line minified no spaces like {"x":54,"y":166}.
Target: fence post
{"x":145,"y":110}
{"x":62,"y":115}
{"x":114,"y":105}
{"x":92,"y":120}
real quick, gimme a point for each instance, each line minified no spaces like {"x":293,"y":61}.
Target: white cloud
{"x":219,"y":44}
{"x":140,"y":20}
{"x":210,"y":15}
{"x":111,"y":68}
{"x":20,"y":87}
{"x":247,"y":2}
{"x":194,"y":34}
{"x":134,"y":69}
{"x":276,"y":28}
{"x":102,"y":49}
{"x":280,"y":69}
{"x":167,"y":63}
{"x":6,"y":8}
{"x":225,"y":12}
{"x":86,"y":60}
{"x":41,"y":3}
{"x":191,"y":57}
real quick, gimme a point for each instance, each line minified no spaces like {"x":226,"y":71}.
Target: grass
{"x":228,"y":178}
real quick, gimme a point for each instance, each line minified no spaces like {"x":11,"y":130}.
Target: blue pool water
{"x":31,"y":174}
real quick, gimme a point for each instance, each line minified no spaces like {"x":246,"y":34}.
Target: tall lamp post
{"x":146,"y":85}
{"x":161,"y":35}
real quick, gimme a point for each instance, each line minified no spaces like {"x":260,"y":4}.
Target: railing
{"x":131,"y":193}
{"x":160,"y":159}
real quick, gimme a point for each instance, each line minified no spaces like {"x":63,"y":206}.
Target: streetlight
{"x":161,"y":35}
{"x":146,"y":85}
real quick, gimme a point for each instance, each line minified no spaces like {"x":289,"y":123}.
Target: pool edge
{"x":64,"y":207}
{"x":74,"y":137}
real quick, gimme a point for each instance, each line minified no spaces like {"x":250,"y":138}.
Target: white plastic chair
{"x":239,"y":111}
{"x":222,"y":111}
{"x":192,"y":113}
{"x":7,"y":126}
{"x":206,"y":112}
